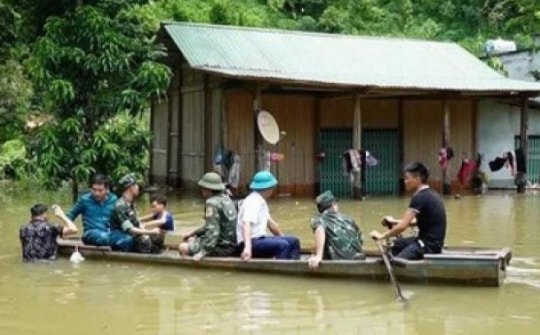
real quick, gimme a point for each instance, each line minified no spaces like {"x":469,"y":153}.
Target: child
{"x":160,"y":217}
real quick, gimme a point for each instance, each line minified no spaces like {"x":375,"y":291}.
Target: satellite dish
{"x":268,"y":127}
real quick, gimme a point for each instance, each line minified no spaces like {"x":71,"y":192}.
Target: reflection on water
{"x":122,"y":298}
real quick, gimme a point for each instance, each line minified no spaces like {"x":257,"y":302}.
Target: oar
{"x":397,"y":289}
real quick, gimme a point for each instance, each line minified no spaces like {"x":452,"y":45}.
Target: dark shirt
{"x":38,"y":240}
{"x":431,"y":218}
{"x":169,"y":221}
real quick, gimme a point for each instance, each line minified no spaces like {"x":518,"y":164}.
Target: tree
{"x":94,"y":62}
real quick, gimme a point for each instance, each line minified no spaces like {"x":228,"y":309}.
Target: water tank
{"x":499,"y":46}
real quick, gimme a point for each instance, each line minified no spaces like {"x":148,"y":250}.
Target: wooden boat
{"x":456,"y":265}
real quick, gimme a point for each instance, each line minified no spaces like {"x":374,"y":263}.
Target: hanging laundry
{"x":498,"y":162}
{"x":466,"y":171}
{"x":371,"y":160}
{"x":351,"y":161}
{"x":445,"y":155}
{"x":234,"y":171}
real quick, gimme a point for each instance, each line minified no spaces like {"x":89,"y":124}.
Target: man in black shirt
{"x":427,"y":208}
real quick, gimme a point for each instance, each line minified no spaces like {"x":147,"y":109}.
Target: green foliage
{"x":105,"y":66}
{"x":93,"y":68}
{"x":117,"y":147}
{"x":15,"y":99}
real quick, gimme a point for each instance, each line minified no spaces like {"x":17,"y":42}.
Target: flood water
{"x":100,"y":297}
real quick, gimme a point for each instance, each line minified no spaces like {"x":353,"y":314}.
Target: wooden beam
{"x":524,"y":142}
{"x":524,"y":125}
{"x":446,"y":182}
{"x":316,"y":143}
{"x":208,"y":154}
{"x":357,"y":143}
{"x":401,"y":137}
{"x":168,"y":178}
{"x":180,"y":121}
{"x":258,"y":140}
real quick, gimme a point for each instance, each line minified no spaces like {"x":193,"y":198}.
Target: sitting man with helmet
{"x":218,"y":235}
{"x":254,"y":219}
{"x":336,"y":234}
{"x":127,"y":233}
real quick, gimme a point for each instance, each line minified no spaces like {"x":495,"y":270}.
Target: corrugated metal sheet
{"x":312,"y":58}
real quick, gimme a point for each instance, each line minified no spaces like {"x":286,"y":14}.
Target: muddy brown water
{"x":100,"y":297}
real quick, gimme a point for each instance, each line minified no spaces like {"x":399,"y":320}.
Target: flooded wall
{"x":498,"y":124}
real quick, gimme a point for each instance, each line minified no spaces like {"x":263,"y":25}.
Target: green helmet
{"x":211,"y":181}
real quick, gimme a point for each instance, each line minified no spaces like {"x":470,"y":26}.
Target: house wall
{"x":295,"y":116}
{"x":376,"y":114}
{"x":159,"y":121}
{"x":423,"y":132}
{"x":192,"y":151}
{"x":498,"y":124}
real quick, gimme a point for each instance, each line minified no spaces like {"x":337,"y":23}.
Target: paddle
{"x":397,"y":289}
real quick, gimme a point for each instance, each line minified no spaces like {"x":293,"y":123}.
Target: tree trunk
{"x":74,"y":189}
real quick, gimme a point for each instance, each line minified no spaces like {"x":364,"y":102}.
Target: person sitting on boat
{"x":38,"y":237}
{"x":254,"y":219}
{"x":96,"y":208}
{"x":160,"y":216}
{"x":218,"y":235}
{"x":336,"y":234}
{"x":428,"y":208}
{"x":126,"y":233}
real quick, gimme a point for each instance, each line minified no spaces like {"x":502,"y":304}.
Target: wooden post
{"x":446,"y":183}
{"x":357,"y":144}
{"x":317,"y":144}
{"x":401,"y":134}
{"x":208,"y":125}
{"x":180,"y":126}
{"x":521,"y":181}
{"x":257,"y":101}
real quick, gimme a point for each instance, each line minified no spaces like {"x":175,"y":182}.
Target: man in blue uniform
{"x":96,"y":208}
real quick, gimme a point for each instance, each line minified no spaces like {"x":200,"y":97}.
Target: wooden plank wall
{"x":193,"y":132}
{"x":159,"y":121}
{"x":173,"y":177}
{"x":294,"y":115}
{"x":423,"y":124}
{"x":240,"y":133}
{"x":376,"y":114}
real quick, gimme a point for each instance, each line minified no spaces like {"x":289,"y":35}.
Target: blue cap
{"x":263,"y":180}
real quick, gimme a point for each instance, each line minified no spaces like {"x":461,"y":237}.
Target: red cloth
{"x":465,"y":171}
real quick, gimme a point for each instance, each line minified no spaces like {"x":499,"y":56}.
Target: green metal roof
{"x":337,"y":60}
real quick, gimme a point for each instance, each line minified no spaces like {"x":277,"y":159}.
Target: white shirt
{"x":254,"y":210}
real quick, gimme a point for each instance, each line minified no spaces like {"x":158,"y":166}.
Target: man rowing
{"x":427,"y":208}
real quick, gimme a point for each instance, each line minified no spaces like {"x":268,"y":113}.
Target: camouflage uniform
{"x":218,"y":235}
{"x":124,"y":218}
{"x":343,"y":238}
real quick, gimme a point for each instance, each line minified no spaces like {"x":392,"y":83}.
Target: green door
{"x":384,"y":146}
{"x":533,"y":159}
{"x":380,"y":179}
{"x":333,"y":142}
